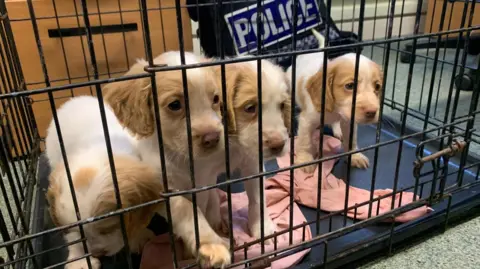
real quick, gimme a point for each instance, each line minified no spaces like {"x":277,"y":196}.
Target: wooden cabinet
{"x":117,"y":38}
{"x":453,"y":11}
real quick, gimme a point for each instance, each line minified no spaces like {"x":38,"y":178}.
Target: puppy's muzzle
{"x":370,"y":115}
{"x":210,"y":140}
{"x":275,"y":144}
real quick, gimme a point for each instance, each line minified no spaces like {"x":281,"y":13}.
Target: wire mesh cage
{"x":422,"y":147}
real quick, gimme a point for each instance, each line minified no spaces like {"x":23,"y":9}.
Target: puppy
{"x":338,"y":100}
{"x":242,"y":113}
{"x":86,"y":152}
{"x":132,"y":102}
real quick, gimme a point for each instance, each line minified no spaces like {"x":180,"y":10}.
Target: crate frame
{"x":18,"y":101}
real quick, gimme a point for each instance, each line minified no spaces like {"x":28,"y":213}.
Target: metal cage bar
{"x":434,"y":140}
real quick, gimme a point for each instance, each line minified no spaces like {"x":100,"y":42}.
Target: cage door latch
{"x":454,"y":148}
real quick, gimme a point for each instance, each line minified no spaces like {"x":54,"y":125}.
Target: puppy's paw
{"x":360,"y":161}
{"x":82,"y":264}
{"x":305,"y":158}
{"x":214,"y":255}
{"x":254,"y":224}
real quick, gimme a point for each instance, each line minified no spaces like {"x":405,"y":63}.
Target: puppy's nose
{"x":371,"y":114}
{"x":275,"y":144}
{"x":211,"y":139}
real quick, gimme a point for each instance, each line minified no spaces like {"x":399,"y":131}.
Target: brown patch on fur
{"x":131,"y":102}
{"x":83,"y":176}
{"x":377,"y":77}
{"x":314,"y":88}
{"x":138,"y":183}
{"x":301,"y":96}
{"x":241,"y":83}
{"x":233,"y":79}
{"x":287,"y":116}
{"x":54,"y":191}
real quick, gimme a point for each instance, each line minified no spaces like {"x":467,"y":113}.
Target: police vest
{"x":233,"y":27}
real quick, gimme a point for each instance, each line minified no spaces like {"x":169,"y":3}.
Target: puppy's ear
{"x":131,"y":101}
{"x":138,"y":184}
{"x":314,"y":89}
{"x":287,"y":110}
{"x":54,"y":192}
{"x":233,"y":77}
{"x":379,"y":74}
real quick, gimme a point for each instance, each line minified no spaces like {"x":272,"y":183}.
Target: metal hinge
{"x":454,"y":148}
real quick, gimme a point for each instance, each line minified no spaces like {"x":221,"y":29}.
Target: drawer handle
{"x":79,"y":31}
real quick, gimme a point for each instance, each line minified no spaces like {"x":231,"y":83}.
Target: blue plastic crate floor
{"x":359,"y":178}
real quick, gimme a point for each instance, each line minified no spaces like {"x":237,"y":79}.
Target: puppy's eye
{"x":250,"y":108}
{"x":378,"y":87}
{"x":175,"y":105}
{"x":349,"y":86}
{"x":216,"y":99}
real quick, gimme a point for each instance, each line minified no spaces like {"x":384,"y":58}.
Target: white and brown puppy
{"x":242,"y":111}
{"x":86,"y":152}
{"x":132,"y":102}
{"x":338,"y":100}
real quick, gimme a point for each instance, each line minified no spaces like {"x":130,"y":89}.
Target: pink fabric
{"x":334,"y":189}
{"x":157,"y":254}
{"x":277,"y":197}
{"x":278,"y":205}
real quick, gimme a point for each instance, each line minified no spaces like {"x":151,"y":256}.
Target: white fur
{"x":246,"y":158}
{"x":84,"y":141}
{"x":178,"y":173}
{"x":307,"y":65}
{"x":244,"y":144}
{"x":82,"y":130}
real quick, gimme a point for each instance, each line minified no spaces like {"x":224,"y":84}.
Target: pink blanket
{"x":278,"y":204}
{"x":334,"y":190}
{"x":277,"y":196}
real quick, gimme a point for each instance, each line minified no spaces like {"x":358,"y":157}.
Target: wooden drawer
{"x":67,"y":58}
{"x":435,"y":14}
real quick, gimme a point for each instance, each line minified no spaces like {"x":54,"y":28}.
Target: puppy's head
{"x":132,"y":102}
{"x":340,"y":87}
{"x":243,"y":106}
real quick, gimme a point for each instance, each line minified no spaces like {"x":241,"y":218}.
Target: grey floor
{"x":458,"y":247}
{"x":3,"y":209}
{"x":10,"y":217}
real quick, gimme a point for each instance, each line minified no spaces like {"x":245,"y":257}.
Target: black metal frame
{"x":22,"y":243}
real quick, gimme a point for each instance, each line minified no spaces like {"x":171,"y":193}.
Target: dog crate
{"x":426,"y":143}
